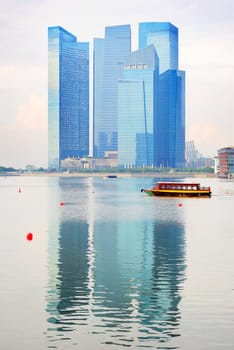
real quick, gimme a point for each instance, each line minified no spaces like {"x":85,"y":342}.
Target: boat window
{"x":194,"y":187}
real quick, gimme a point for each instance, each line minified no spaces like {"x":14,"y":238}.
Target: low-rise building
{"x":75,"y":164}
{"x":226,"y":161}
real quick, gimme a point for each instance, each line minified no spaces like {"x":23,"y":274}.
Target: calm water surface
{"x":113,"y":268}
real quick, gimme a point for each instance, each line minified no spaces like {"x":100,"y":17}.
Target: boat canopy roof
{"x":177,"y":183}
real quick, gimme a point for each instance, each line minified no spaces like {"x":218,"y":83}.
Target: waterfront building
{"x":226,"y":161}
{"x":164,"y":37}
{"x":137,"y":109}
{"x":98,"y":59}
{"x":170,"y":123}
{"x":109,"y":55}
{"x":109,"y":160}
{"x":216,"y":164}
{"x":170,"y":126}
{"x":68,"y":97}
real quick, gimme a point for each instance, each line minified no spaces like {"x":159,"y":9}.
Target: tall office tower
{"x":109,"y":61}
{"x":164,"y":37}
{"x":137,"y":108}
{"x":170,"y":125}
{"x":98,"y":59}
{"x":68,"y":97}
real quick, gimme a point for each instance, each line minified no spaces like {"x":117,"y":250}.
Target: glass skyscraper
{"x":137,"y":108}
{"x":98,"y":59}
{"x":68,"y":97}
{"x":170,"y":126}
{"x":170,"y":123}
{"x":164,"y":37}
{"x":109,"y":58}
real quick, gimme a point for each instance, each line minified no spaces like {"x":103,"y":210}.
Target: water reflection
{"x":113,"y":281}
{"x":72,"y":273}
{"x":168,"y":273}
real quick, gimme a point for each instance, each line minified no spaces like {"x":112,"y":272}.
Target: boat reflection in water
{"x":114,"y":281}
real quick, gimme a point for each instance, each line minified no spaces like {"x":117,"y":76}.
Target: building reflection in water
{"x":120,"y":281}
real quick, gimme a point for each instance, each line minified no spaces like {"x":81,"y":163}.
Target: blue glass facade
{"x":98,"y":59}
{"x":117,"y":45}
{"x":68,"y":97}
{"x":169,"y":132}
{"x":170,"y":126}
{"x":164,"y":37}
{"x":137,"y":109}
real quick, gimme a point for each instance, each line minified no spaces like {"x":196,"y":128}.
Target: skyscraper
{"x":109,"y":60}
{"x":170,"y":126}
{"x":137,"y":108}
{"x":68,"y":97}
{"x":98,"y":59}
{"x":164,"y":37}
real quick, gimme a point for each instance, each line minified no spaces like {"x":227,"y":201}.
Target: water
{"x":113,"y":268}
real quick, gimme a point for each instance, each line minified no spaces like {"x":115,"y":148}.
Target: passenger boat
{"x":178,"y":189}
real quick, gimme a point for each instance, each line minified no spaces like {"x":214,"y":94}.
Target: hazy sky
{"x":206,"y":53}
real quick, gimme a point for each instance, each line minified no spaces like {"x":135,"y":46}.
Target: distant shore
{"x":118,"y":174}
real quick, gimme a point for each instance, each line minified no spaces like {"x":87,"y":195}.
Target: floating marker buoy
{"x":19,"y":190}
{"x":180,"y":205}
{"x":61,"y":204}
{"x":29,"y":236}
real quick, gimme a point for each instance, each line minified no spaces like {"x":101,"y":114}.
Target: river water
{"x":111,"y":268}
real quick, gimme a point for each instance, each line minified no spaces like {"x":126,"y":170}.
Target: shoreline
{"x":118,"y":175}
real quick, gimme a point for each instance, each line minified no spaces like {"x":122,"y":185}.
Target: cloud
{"x":24,"y":140}
{"x":32,"y":114}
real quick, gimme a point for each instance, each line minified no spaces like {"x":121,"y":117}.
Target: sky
{"x":206,"y":54}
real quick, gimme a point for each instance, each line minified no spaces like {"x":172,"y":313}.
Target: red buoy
{"x":180,"y":205}
{"x":61,"y":204}
{"x":19,"y":190}
{"x":29,"y":236}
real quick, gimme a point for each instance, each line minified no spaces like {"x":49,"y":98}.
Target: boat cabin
{"x":179,"y":186}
